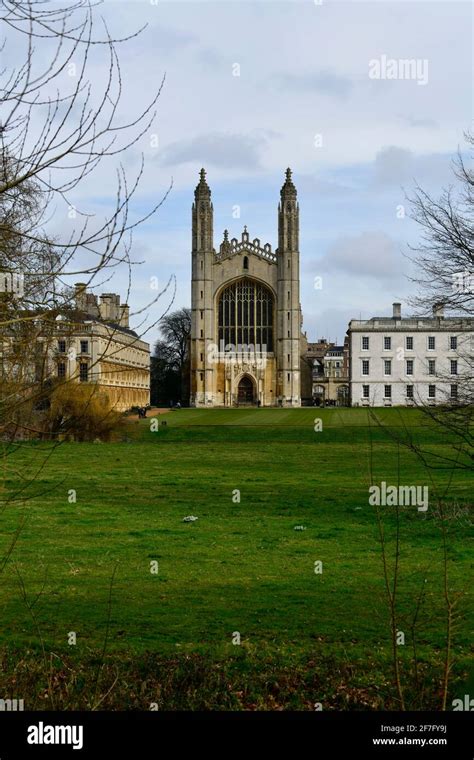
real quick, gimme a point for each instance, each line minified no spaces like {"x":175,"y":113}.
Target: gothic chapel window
{"x":246,"y":315}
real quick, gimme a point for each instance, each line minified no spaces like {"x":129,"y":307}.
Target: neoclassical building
{"x":246,"y":341}
{"x":90,"y":342}
{"x":411,"y":361}
{"x":100,"y":348}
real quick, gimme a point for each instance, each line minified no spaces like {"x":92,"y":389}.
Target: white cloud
{"x":326,"y":82}
{"x":370,"y":254}
{"x":226,"y":151}
{"x":400,"y":166}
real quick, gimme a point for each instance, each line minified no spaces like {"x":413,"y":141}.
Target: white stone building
{"x":395,"y":361}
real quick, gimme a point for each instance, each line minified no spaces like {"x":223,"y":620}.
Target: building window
{"x":431,"y":367}
{"x":387,"y":367}
{"x":365,"y":343}
{"x":365,"y":391}
{"x":84,"y":346}
{"x":409,"y":343}
{"x":410,"y":363}
{"x":387,"y":391}
{"x":202,"y":314}
{"x":201,"y":375}
{"x":288,"y":376}
{"x":431,"y":391}
{"x":454,"y":366}
{"x":365,"y":367}
{"x":202,"y":357}
{"x":409,"y":391}
{"x":246,"y":262}
{"x":288,"y":355}
{"x":62,"y":346}
{"x":431,"y":342}
{"x":201,"y":263}
{"x":246,"y":315}
{"x":453,"y":342}
{"x":202,"y":334}
{"x":83,"y":372}
{"x":61,"y":370}
{"x":454,"y":392}
{"x":202,"y":294}
{"x":387,"y":343}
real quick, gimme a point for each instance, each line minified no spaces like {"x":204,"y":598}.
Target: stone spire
{"x":288,"y":216}
{"x":288,"y":191}
{"x":202,"y":216}
{"x":225,"y":246}
{"x":202,"y":191}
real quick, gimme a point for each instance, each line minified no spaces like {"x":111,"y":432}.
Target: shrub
{"x":81,"y":413}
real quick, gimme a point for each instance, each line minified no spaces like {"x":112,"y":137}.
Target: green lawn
{"x":241,"y":567}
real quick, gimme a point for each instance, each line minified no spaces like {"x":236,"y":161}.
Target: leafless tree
{"x":57,"y":127}
{"x":444,"y":261}
{"x":171,"y":360}
{"x":445,"y":256}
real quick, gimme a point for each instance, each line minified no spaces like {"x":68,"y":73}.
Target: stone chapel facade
{"x":246,"y":341}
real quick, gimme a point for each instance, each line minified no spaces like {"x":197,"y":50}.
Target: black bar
{"x":165,"y":734}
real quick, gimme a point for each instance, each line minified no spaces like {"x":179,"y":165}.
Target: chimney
{"x":105,"y":307}
{"x":438,"y":310}
{"x":397,"y":311}
{"x":124,"y":315}
{"x":110,"y":307}
{"x":80,"y":295}
{"x":116,"y":312}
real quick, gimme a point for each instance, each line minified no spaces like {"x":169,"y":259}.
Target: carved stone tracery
{"x":232,"y":247}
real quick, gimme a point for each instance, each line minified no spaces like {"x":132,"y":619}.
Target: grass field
{"x":168,"y":638}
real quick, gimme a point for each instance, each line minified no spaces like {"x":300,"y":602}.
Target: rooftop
{"x":401,"y":323}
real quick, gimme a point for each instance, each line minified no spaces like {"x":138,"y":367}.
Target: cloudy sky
{"x":253,"y":87}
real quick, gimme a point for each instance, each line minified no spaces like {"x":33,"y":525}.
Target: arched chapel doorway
{"x":343,"y":395}
{"x":246,"y":390}
{"x":319,"y":394}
